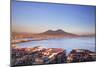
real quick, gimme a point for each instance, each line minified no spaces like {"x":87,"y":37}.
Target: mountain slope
{"x":58,"y":32}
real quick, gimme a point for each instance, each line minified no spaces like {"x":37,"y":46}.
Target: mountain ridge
{"x":58,"y":32}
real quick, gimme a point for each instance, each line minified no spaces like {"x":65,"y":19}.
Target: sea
{"x":68,"y":44}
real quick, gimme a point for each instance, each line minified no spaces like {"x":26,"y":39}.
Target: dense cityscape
{"x":41,"y":55}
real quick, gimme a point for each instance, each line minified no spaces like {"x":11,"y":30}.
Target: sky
{"x":35,"y":17}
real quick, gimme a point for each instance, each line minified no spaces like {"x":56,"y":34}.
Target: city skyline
{"x":34,"y":17}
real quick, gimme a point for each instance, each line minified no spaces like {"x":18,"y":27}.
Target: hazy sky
{"x":39,"y":17}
